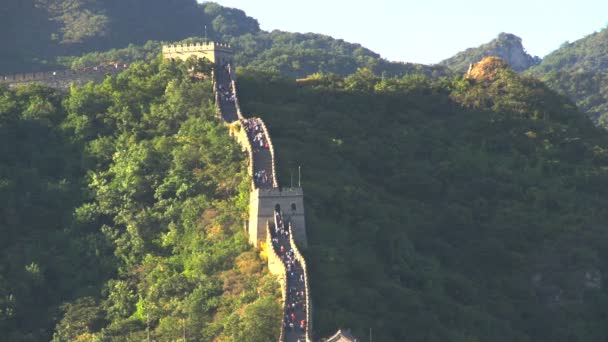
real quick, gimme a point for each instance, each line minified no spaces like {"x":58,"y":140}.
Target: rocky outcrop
{"x":506,"y":46}
{"x":486,"y":69}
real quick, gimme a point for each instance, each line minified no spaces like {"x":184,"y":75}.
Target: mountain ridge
{"x":579,"y":70}
{"x":507,"y":46}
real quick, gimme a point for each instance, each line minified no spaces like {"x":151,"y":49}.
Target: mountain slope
{"x":579,"y":70}
{"x":122,"y":215}
{"x":81,"y":26}
{"x":506,"y":46}
{"x":472,"y":210}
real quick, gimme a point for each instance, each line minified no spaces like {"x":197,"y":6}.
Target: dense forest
{"x":458,"y":210}
{"x":579,"y":70}
{"x":439,"y":207}
{"x":81,"y":33}
{"x":122,"y":216}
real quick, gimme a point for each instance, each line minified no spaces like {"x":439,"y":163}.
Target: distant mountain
{"x":579,"y":70}
{"x":40,"y":33}
{"x":35,"y":32}
{"x":506,"y":46}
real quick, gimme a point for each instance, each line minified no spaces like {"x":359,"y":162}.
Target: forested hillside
{"x":458,"y":209}
{"x":579,"y":70}
{"x":47,"y":34}
{"x":122,"y":216}
{"x":35,"y":32}
{"x":465,"y":210}
{"x":438,"y":208}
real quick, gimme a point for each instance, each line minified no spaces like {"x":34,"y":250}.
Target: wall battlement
{"x":62,"y":78}
{"x":195,"y":47}
{"x":213,"y":51}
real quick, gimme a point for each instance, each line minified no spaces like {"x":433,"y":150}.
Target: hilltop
{"x":506,"y":46}
{"x":81,"y":33}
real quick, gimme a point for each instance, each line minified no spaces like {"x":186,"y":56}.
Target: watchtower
{"x":213,"y":51}
{"x":262,"y":204}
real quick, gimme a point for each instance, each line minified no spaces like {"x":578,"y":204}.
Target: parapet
{"x":212,"y":51}
{"x":280,"y":192}
{"x":196,"y":46}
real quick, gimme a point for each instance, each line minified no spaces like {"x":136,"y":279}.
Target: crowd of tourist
{"x":258,"y":140}
{"x":261,"y":177}
{"x":254,"y":130}
{"x":294,"y":320}
{"x":226,"y":95}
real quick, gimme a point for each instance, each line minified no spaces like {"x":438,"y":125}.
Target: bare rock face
{"x":506,"y":46}
{"x":486,"y":69}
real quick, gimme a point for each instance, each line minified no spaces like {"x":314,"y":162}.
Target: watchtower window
{"x":293,"y":207}
{"x":277,"y":207}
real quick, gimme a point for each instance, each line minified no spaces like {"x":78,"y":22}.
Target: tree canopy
{"x":122,"y":216}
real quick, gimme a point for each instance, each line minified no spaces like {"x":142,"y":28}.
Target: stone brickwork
{"x":262,"y":203}
{"x":216,"y":53}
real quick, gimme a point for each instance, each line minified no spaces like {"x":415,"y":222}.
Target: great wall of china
{"x":276,"y":215}
{"x":269,"y":224}
{"x":61,"y":79}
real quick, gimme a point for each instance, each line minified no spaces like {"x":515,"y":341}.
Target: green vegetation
{"x":579,"y":70}
{"x":81,"y":29}
{"x":456,"y":210}
{"x":122,"y":216}
{"x":438,"y":208}
{"x":36,"y":32}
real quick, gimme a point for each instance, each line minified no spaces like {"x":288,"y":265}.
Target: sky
{"x":429,"y":31}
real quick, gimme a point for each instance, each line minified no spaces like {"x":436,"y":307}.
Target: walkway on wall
{"x":228,"y":104}
{"x":227,"y":95}
{"x":262,"y":158}
{"x":296,"y":313}
{"x":295,"y":310}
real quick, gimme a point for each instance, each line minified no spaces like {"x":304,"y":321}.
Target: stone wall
{"x":236,"y":101}
{"x":240,"y":135}
{"x":302,"y":262}
{"x":277,"y":268}
{"x":212,"y":51}
{"x":275,"y":181}
{"x":62,"y":79}
{"x":262,"y":203}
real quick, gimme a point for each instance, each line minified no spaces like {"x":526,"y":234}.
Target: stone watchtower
{"x":262,"y":204}
{"x":213,"y":51}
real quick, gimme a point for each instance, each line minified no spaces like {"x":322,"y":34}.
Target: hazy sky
{"x":428,"y":31}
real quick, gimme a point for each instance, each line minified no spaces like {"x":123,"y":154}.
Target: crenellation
{"x":213,"y":51}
